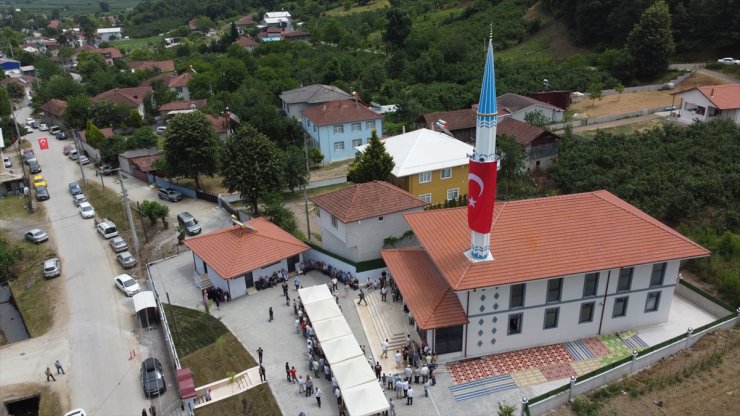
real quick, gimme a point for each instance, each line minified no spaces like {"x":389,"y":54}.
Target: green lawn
{"x":71,"y":7}
{"x":627,"y":128}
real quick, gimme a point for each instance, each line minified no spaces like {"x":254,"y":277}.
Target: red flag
{"x":43,"y":143}
{"x":481,"y":195}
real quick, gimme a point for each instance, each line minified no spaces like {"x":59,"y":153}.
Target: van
{"x":107,"y":229}
{"x":188,"y":222}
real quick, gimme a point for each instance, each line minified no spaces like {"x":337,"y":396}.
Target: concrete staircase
{"x":388,"y":329}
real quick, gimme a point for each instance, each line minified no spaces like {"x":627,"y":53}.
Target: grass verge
{"x":211,"y":351}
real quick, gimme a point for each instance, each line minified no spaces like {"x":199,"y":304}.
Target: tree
{"x":15,"y":91}
{"x":110,"y":148}
{"x":276,"y":212}
{"x":104,"y":6}
{"x":143,"y":138}
{"x":191,"y":146}
{"x":594,"y":91}
{"x":651,"y":41}
{"x":375,"y":164}
{"x":77,"y":111}
{"x":398,"y":28}
{"x":9,"y":254}
{"x":619,"y":88}
{"x":295,"y":166}
{"x":5,"y":108}
{"x":135,"y":118}
{"x":315,"y":157}
{"x":512,"y":158}
{"x":252,"y":165}
{"x":505,"y":409}
{"x":105,"y":113}
{"x":536,"y":118}
{"x":93,"y":135}
{"x":88,"y":27}
{"x":155,"y":211}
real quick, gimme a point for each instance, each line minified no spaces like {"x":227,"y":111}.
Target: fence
{"x":640,"y":360}
{"x":164,"y":183}
{"x":606,"y":119}
{"x":168,"y":340}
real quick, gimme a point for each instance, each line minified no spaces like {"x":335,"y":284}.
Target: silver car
{"x":127,"y":284}
{"x":118,"y":244}
{"x":36,"y":235}
{"x":52,"y":267}
{"x":126,"y":259}
{"x":86,"y":210}
{"x":78,"y":199}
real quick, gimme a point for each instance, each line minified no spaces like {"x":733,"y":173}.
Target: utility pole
{"x":305,"y":188}
{"x":128,"y":213}
{"x":26,"y":179}
{"x":79,"y":156}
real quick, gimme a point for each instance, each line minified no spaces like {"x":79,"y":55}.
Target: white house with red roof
{"x":356,"y":221}
{"x":133,"y":97}
{"x":234,"y":258}
{"x":711,"y":102}
{"x":338,"y":127}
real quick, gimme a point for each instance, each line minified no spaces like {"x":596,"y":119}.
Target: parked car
{"x":107,"y":228}
{"x":118,"y":244}
{"x":152,"y":377}
{"x":188,"y":222}
{"x":7,"y":162}
{"x":105,"y":169}
{"x":66,"y":149}
{"x":74,"y":155}
{"x":126,"y":259}
{"x":43,"y":127}
{"x":86,"y":210}
{"x":78,"y":199}
{"x":169,"y":194}
{"x":39,"y":180}
{"x":36,"y":235}
{"x":34,"y":167}
{"x":84,"y":160}
{"x":127,"y":284}
{"x":74,"y":188}
{"x":729,"y":61}
{"x":29,"y":121}
{"x":52,"y":267}
{"x":28,"y":157}
{"x":60,"y":135}
{"x":42,"y":194}
{"x":54,"y":130}
{"x":35,"y":124}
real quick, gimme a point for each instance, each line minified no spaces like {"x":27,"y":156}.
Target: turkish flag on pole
{"x":481,"y":195}
{"x":43,"y":143}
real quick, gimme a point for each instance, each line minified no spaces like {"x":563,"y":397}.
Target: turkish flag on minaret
{"x":43,"y":143}
{"x":481,"y":195}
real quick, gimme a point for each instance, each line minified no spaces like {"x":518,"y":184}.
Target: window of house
{"x":314,"y":128}
{"x":334,"y":222}
{"x":445,"y":173}
{"x":179,"y":89}
{"x":339,"y":129}
{"x":426,"y":198}
{"x":590,"y":284}
{"x":587,"y":312}
{"x":516,"y":300}
{"x":338,"y":146}
{"x":554,"y":289}
{"x":656,"y":278}
{"x":625,"y":279}
{"x":515,"y":323}
{"x":425,"y":177}
{"x":380,"y":219}
{"x":652,"y":302}
{"x":620,"y":307}
{"x":551,"y":318}
{"x":356,"y":142}
{"x":453,"y":193}
{"x":356,"y":126}
{"x":318,"y":213}
{"x":370,"y":125}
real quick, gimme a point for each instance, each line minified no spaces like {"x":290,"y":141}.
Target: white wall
{"x":361,"y":276}
{"x":692,"y":97}
{"x":366,"y":236}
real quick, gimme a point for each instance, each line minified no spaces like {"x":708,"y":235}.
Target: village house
{"x":338,"y":127}
{"x":23,"y":81}
{"x":294,"y":101}
{"x":139,"y":163}
{"x":175,"y":107}
{"x":247,"y":43}
{"x":281,"y":20}
{"x":243,"y":23}
{"x":429,"y":164}
{"x":518,"y":106}
{"x":54,"y":111}
{"x":161,"y":66}
{"x":179,"y":84}
{"x":109,"y":33}
{"x":132,"y":97}
{"x":356,"y":221}
{"x":110,"y":55}
{"x":541,"y":147}
{"x":711,"y":102}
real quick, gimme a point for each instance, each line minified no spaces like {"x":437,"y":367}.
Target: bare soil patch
{"x":625,"y":103}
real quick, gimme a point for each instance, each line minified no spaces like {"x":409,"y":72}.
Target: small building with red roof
{"x":235,"y":257}
{"x":356,"y":221}
{"x":161,"y":66}
{"x":338,"y":127}
{"x":110,"y":55}
{"x":563,"y":268}
{"x":711,"y":102}
{"x":247,"y":43}
{"x":133,"y":97}
{"x":179,"y":84}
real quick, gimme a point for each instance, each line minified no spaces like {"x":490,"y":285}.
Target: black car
{"x":42,"y":194}
{"x":170,"y":194}
{"x":74,"y":188}
{"x":34,"y":167}
{"x":152,"y":377}
{"x":105,"y":169}
{"x":60,"y":135}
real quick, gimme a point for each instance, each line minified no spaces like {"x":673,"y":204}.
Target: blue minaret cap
{"x":487,"y":103}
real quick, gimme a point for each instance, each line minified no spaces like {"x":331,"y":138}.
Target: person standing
{"x":287,"y":372}
{"x":334,"y":284}
{"x":384,"y":293}
{"x":407,"y":373}
{"x":327,"y":371}
{"x":318,"y":396}
{"x":410,"y":396}
{"x":378,"y":369}
{"x":362,"y":298}
{"x":271,"y":316}
{"x":263,"y":376}
{"x":346,"y":289}
{"x":399,"y":387}
{"x":259,"y":354}
{"x":301,"y":385}
{"x":424,"y":373}
{"x":338,"y":393}
{"x":58,"y":365}
{"x":405,"y":385}
{"x":309,"y":386}
{"x":392,"y":410}
{"x":297,"y":282}
{"x":384,"y":346}
{"x":398,"y":359}
{"x":293,"y":373}
{"x":295,"y":307}
{"x":49,"y":375}
{"x":426,"y":388}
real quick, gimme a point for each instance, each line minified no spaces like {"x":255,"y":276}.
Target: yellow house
{"x":429,"y":164}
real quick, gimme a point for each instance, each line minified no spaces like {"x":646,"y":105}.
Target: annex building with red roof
{"x":563,"y":268}
{"x":710,"y":102}
{"x":235,"y":257}
{"x":356,"y":220}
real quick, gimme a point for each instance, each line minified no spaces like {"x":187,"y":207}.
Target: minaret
{"x":483,"y":166}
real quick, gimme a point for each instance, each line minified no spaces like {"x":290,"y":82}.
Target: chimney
{"x":711,"y":95}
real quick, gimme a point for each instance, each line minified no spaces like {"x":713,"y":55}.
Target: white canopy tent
{"x":331,"y":328}
{"x":315,"y":294}
{"x":339,"y":349}
{"x":323,"y":309}
{"x":365,"y":400}
{"x":353,"y":372}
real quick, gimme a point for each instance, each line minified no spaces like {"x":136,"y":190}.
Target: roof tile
{"x":334,"y":112}
{"x":366,"y":200}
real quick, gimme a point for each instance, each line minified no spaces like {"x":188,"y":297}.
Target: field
{"x":67,"y":7}
{"x":136,"y":43}
{"x":627,"y":128}
{"x":688,"y":383}
{"x":372,"y":5}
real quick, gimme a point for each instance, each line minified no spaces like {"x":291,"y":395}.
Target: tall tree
{"x":93,"y":135}
{"x":295,"y":167}
{"x":191,"y":146}
{"x":375,"y":164}
{"x":77,"y":111}
{"x":252,"y":165}
{"x":512,"y":158}
{"x":398,"y":29}
{"x":651,"y":41}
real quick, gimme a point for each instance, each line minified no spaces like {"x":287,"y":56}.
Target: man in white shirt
{"x":410,"y":397}
{"x":384,"y":347}
{"x":338,"y":393}
{"x":318,"y":396}
{"x":398,"y":359}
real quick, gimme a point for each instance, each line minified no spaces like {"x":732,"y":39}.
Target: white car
{"x":86,"y":210}
{"x":43,"y":127}
{"x":729,"y":61}
{"x":84,"y":160}
{"x":7,"y":162}
{"x":29,"y":121}
{"x":127,"y":284}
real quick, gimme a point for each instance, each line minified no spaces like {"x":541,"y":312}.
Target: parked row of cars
{"x":55,"y":131}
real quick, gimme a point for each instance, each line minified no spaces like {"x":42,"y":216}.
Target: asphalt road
{"x":97,"y":338}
